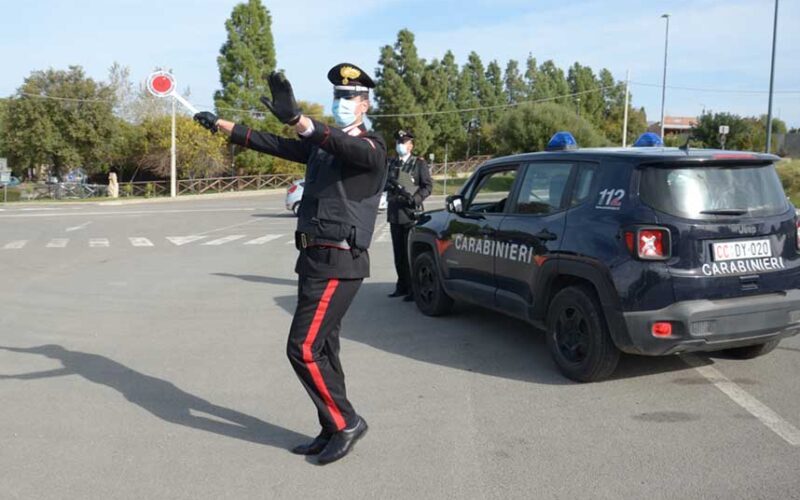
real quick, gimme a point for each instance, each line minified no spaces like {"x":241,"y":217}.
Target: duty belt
{"x":306,"y":240}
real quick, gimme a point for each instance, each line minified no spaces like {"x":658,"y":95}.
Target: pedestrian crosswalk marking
{"x":99,"y":243}
{"x":58,"y":243}
{"x":182,"y":240}
{"x":264,"y":239}
{"x":224,"y":239}
{"x":141,"y":242}
{"x":15,"y":245}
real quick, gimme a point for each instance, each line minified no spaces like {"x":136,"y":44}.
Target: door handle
{"x":487,"y":231}
{"x":545,"y":235}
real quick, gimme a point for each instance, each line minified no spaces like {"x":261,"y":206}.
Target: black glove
{"x":282,"y":105}
{"x":208,"y":120}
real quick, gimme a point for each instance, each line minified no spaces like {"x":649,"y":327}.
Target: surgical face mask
{"x":344,"y":111}
{"x":402,"y":149}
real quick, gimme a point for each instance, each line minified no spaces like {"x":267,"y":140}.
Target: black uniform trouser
{"x":400,"y":247}
{"x":313,"y":346}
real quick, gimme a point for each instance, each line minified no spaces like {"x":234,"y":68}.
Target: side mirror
{"x":455,"y":204}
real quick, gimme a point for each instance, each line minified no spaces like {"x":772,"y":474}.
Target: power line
{"x":701,"y":89}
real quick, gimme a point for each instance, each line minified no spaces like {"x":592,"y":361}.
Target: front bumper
{"x":711,"y":325}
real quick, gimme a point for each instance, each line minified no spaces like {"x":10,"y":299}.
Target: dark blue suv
{"x":644,"y":250}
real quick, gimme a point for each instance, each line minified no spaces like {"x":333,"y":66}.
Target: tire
{"x":752,"y":351}
{"x":429,"y":294}
{"x":296,"y":208}
{"x":578,"y":338}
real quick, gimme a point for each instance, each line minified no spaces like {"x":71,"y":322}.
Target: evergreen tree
{"x":399,"y":91}
{"x":531,"y":78}
{"x":550,"y":83}
{"x":245,"y":61}
{"x":587,"y":98}
{"x":515,"y":90}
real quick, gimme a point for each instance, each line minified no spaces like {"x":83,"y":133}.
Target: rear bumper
{"x":710,"y":325}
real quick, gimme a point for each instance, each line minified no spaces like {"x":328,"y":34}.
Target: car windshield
{"x":713,"y":191}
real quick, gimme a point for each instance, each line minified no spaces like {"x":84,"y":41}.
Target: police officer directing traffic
{"x":409,"y":185}
{"x":345,"y":177}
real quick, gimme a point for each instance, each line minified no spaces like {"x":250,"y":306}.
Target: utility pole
{"x":625,"y":116}
{"x":772,"y":79}
{"x":664,"y":79}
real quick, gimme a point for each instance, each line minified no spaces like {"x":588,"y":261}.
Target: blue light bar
{"x":648,"y":140}
{"x":561,"y":141}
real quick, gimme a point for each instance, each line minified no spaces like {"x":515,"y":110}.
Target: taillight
{"x":292,"y":188}
{"x":651,"y":243}
{"x":661,"y":329}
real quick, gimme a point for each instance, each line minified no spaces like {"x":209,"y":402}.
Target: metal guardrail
{"x":151,"y":189}
{"x":458,"y":167}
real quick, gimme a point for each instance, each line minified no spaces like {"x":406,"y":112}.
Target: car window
{"x":543,"y":188}
{"x":583,"y":184}
{"x":492,"y":191}
{"x":699,"y":192}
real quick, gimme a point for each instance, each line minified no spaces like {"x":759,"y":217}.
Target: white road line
{"x":140,"y":242}
{"x":132,"y":212}
{"x":15,"y":245}
{"x":264,"y":239}
{"x":224,"y":239}
{"x":75,"y":228}
{"x":58,"y":243}
{"x":182,"y":240}
{"x":762,"y":412}
{"x":230,"y":227}
{"x":290,"y":242}
{"x":99,"y":243}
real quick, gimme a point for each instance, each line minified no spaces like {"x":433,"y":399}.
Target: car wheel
{"x":578,"y":338}
{"x":752,"y":351}
{"x":296,"y":208}
{"x":429,"y":294}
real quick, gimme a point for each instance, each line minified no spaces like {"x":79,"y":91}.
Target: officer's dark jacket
{"x":399,"y":211}
{"x":345,"y":177}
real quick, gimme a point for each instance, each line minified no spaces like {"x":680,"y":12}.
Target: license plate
{"x":736,"y":250}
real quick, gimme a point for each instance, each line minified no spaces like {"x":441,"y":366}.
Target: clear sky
{"x":714,"y":44}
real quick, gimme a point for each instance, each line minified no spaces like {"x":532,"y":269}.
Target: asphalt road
{"x":144,"y":357}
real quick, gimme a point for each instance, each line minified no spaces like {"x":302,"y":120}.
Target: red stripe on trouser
{"x":308,"y":357}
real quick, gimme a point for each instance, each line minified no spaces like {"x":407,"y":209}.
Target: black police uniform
{"x":345,"y":177}
{"x":414,"y":177}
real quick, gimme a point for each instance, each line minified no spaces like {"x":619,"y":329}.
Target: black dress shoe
{"x":315,"y":447}
{"x":408,"y":298}
{"x":397,"y":293}
{"x":342,"y":442}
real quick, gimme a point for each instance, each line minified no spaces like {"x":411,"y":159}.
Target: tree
{"x":529,"y":127}
{"x":587,"y":97}
{"x":245,"y":61}
{"x":67,"y":129}
{"x":400,"y":91}
{"x":550,"y":83}
{"x":199,"y":153}
{"x":514,"y":83}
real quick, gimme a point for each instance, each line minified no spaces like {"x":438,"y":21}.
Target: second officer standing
{"x":410,"y":184}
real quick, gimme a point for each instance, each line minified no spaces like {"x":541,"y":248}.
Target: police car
{"x":645,"y":250}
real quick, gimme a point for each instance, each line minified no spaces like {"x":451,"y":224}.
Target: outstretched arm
{"x":264,"y":142}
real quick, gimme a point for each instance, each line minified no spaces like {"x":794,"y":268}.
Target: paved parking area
{"x":142,"y":356}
